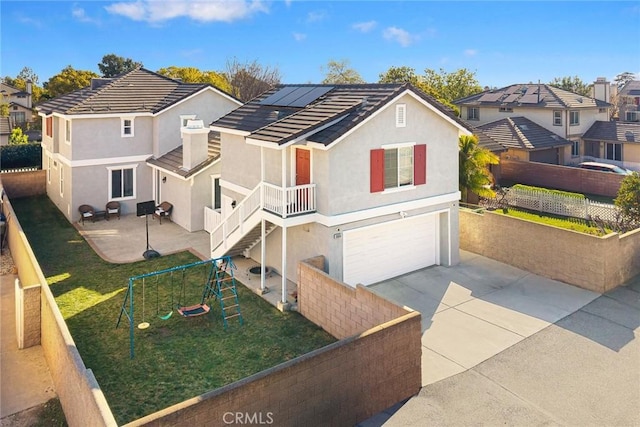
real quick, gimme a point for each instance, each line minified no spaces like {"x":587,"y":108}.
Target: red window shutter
{"x":420,"y":164}
{"x":49,"y":126}
{"x":377,"y":170}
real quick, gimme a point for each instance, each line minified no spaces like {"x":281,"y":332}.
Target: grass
{"x":575,"y":224}
{"x":175,"y":359}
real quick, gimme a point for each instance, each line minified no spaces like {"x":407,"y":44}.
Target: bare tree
{"x":250,"y":79}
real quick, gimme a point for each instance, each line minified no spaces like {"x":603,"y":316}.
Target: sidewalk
{"x":25,"y":380}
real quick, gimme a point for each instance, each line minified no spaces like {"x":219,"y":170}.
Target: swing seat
{"x":194,"y":310}
{"x":165,"y":316}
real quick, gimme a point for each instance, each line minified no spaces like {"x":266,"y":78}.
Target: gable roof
{"x":137,"y":91}
{"x":488,"y":142}
{"x":631,"y":88}
{"x":531,"y":95}
{"x":322,"y":113}
{"x":613,"y":131}
{"x":173,"y":160}
{"x":522,"y":133}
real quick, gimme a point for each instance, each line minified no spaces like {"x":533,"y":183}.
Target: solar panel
{"x":529,"y":99}
{"x":295,"y":96}
{"x":511,"y":97}
{"x":490,"y":97}
{"x":532,"y":91}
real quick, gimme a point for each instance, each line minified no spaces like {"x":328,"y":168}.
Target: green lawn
{"x":176,"y":358}
{"x":575,"y":224}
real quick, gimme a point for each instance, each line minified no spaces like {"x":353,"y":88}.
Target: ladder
{"x":225,"y":290}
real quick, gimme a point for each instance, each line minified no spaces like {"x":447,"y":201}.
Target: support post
{"x":284,"y":265}
{"x":263,"y":253}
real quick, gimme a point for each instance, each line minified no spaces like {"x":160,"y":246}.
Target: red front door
{"x":303,"y":176}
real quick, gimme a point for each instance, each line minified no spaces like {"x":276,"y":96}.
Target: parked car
{"x":604,"y":167}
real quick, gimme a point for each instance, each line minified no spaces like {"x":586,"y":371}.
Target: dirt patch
{"x":6,"y":263}
{"x":48,"y":414}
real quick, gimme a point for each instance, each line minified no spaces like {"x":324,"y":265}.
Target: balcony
{"x":289,"y":201}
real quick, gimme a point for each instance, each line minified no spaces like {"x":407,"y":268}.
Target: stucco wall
{"x":595,"y":263}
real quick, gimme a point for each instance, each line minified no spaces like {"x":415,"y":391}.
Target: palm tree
{"x":473,"y":172}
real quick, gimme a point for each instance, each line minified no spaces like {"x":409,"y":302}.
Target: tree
{"x":473,"y":172}
{"x":194,"y":75}
{"x":17,"y":137}
{"x":113,"y":65}
{"x":401,"y":74}
{"x":572,"y":84}
{"x":623,"y":78}
{"x":338,"y":72}
{"x":20,"y":82}
{"x":4,"y":109}
{"x":451,"y":86}
{"x":68,"y":80}
{"x":628,"y":197}
{"x":250,"y":79}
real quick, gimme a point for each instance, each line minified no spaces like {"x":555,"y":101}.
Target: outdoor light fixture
{"x":164,"y":179}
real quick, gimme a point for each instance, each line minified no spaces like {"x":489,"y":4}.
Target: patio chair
{"x":163,"y":210}
{"x":112,"y":209}
{"x":87,"y":212}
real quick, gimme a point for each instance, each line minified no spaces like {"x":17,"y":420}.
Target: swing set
{"x":219,"y":283}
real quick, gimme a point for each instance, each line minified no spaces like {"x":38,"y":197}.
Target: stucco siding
{"x":241,"y":161}
{"x":99,"y":138}
{"x":631,"y":152}
{"x":348,"y":179}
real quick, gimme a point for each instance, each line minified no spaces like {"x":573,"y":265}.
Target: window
{"x":216,"y":194}
{"x":613,"y":151}
{"x":127,"y":127}
{"x":122,"y":183}
{"x":505,"y":110}
{"x":574,"y":118}
{"x":403,"y":165}
{"x":19,"y":117}
{"x":473,"y":113}
{"x":49,"y":126}
{"x":61,"y":180}
{"x":557,"y":118}
{"x":575,"y":148}
{"x":602,"y":110}
{"x":631,"y":116}
{"x":401,"y":115}
{"x":67,"y":129}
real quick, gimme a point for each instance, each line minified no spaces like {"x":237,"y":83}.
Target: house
{"x":616,"y":142}
{"x":133,"y":138}
{"x":5,"y":130}
{"x":366,"y":175}
{"x":566,"y":114}
{"x":629,"y":102}
{"x":19,"y":102}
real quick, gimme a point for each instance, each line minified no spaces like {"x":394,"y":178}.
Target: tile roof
{"x":613,"y":131}
{"x":531,"y":95}
{"x":337,"y":110}
{"x":173,"y":160}
{"x":631,"y":88}
{"x":522,"y":133}
{"x":486,"y":141}
{"x":137,"y":91}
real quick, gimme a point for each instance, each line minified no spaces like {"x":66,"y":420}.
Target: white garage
{"x":382,"y":251}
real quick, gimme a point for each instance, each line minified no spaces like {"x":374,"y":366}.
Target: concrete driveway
{"x":501,"y":345}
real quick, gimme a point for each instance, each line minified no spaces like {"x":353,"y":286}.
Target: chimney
{"x":601,"y":89}
{"x":195,"y":143}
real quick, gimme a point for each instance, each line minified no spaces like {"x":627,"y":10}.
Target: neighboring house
{"x":567,"y":114}
{"x":366,"y":175}
{"x":617,"y":142}
{"x":526,"y":140}
{"x":19,"y":101}
{"x":629,"y":102}
{"x":132,"y":138}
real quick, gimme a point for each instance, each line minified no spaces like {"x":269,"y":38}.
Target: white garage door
{"x":379,"y":252}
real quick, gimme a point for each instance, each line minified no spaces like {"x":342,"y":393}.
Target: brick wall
{"x":561,"y":177}
{"x":595,"y":263}
{"x":25,"y":184}
{"x":340,"y":384}
{"x":82,"y":400}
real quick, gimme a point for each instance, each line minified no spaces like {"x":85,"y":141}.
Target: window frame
{"x":124,"y":127}
{"x":401,"y":151}
{"x":616,"y":149}
{"x":401,"y":115}
{"x":505,"y":110}
{"x":61,"y":180}
{"x":67,"y":131}
{"x":122,"y":168}
{"x":572,"y":114}
{"x":575,"y":148}
{"x":627,"y":114}
{"x":557,"y":117}
{"x":379,"y":167}
{"x":475,"y":116}
{"x":49,"y":170}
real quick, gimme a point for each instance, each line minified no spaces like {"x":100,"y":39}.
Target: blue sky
{"x":503,"y":42}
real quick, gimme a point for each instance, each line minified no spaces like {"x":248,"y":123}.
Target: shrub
{"x":21,"y":156}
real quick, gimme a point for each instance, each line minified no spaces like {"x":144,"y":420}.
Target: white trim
{"x":292,"y":162}
{"x":396,"y":189}
{"x":464,"y":130}
{"x":124,"y":118}
{"x":67,"y":125}
{"x":61,"y":181}
{"x":100,"y":162}
{"x":122,"y":167}
{"x":49,"y":166}
{"x":229,"y":131}
{"x":235,"y":187}
{"x":398,"y":145}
